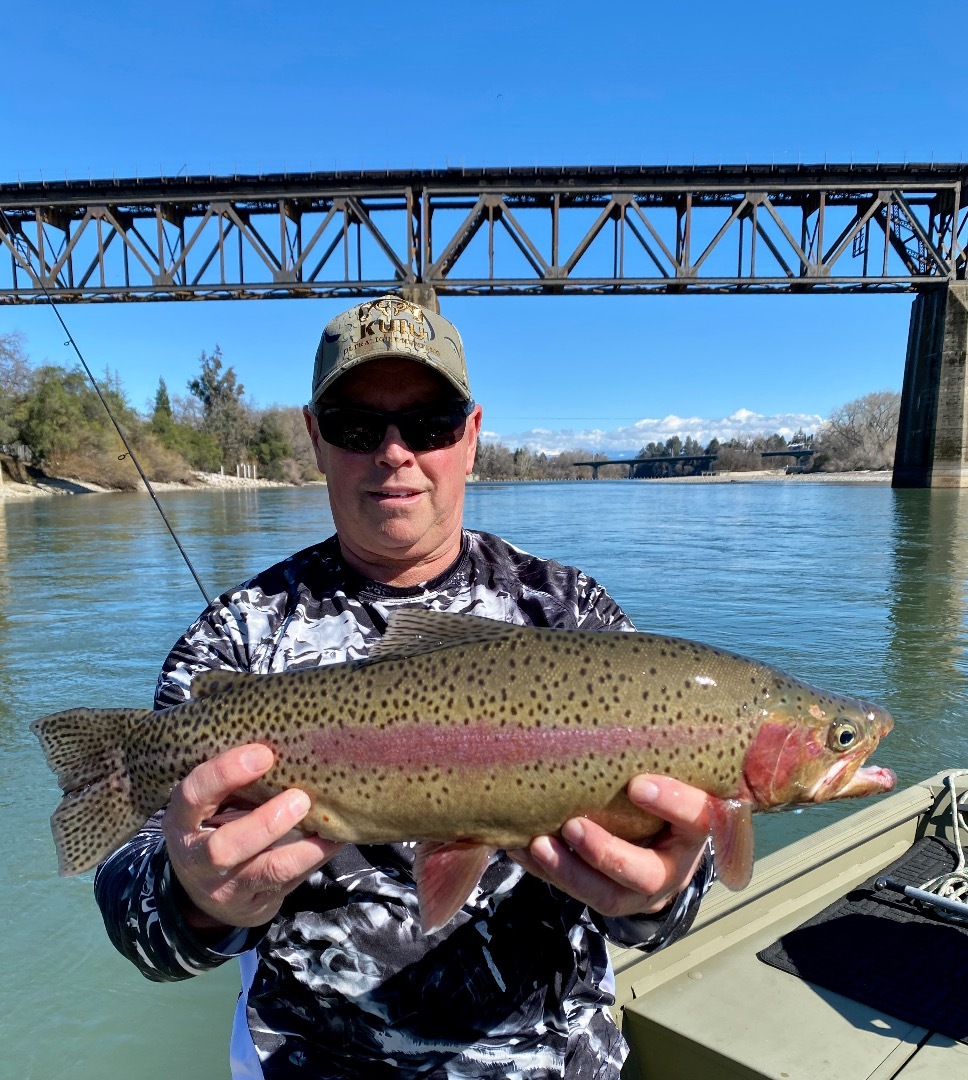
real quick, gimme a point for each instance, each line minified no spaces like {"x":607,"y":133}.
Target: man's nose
{"x":393,"y":450}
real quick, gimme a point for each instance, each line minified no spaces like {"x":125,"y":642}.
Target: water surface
{"x":856,"y":587}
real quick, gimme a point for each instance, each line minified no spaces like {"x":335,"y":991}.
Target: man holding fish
{"x":495,"y":965}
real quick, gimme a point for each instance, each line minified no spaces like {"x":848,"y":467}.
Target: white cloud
{"x":626,"y":441}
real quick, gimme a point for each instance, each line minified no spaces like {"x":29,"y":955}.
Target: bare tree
{"x":861,"y":434}
{"x":16,"y":380}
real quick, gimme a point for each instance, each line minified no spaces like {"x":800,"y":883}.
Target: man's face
{"x":398,"y":512}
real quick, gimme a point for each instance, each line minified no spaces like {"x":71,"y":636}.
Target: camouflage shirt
{"x":342,"y":983}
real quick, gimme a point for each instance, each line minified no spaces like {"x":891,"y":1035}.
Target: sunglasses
{"x":430,"y":427}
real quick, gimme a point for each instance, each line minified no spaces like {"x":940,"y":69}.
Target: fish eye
{"x":842,"y":735}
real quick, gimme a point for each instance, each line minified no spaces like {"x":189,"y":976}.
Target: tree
{"x":224,"y":414}
{"x":861,"y":434}
{"x":15,"y":383}
{"x":162,"y":418}
{"x":270,"y":446}
{"x":53,"y":421}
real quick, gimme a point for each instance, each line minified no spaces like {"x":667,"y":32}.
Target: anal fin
{"x":731,"y":825}
{"x":446,"y":874}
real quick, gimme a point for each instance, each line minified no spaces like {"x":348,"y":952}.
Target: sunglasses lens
{"x":433,"y":430}
{"x":362,"y":430}
{"x":351,"y":429}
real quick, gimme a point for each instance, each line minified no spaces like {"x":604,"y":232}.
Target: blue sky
{"x":101,"y":90}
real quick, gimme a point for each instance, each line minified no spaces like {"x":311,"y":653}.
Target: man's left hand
{"x":615,"y":877}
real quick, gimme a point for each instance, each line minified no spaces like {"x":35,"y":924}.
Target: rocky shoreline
{"x":51,"y":486}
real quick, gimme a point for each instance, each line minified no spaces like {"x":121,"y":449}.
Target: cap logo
{"x":389,"y":315}
{"x":386,"y":327}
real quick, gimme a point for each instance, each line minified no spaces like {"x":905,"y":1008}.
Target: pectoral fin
{"x":446,"y":875}
{"x":731,"y":825}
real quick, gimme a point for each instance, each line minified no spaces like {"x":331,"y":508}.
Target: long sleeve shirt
{"x":343,"y":983}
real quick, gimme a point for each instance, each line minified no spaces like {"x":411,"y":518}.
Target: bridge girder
{"x":739,"y":229}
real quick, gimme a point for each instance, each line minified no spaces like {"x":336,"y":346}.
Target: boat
{"x":708,"y":1007}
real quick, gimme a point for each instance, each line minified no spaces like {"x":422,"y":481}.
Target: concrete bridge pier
{"x":932,"y":437}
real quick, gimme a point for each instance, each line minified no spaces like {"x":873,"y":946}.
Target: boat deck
{"x":707,"y":1008}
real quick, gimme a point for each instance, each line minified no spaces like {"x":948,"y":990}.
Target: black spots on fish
{"x":653,"y":671}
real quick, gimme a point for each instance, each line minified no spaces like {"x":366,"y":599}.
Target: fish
{"x":468,"y":735}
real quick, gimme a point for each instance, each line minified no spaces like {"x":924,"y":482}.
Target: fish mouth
{"x":845,"y":779}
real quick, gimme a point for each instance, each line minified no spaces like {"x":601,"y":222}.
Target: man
{"x":338,"y":979}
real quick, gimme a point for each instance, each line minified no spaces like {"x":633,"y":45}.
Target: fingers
{"x":205,"y":788}
{"x":616,"y":877}
{"x":682,"y":806}
{"x":236,"y":867}
{"x":610,"y":875}
{"x":250,"y":833}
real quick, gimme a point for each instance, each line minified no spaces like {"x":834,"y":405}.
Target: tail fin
{"x":85,"y":748}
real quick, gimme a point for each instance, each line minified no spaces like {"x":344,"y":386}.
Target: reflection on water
{"x":925,"y":659}
{"x":857,"y":588}
{"x":4,"y":597}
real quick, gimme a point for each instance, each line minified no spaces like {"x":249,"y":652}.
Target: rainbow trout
{"x":471,"y":735}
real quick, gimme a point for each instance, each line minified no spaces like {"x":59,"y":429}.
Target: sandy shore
{"x":12,"y":490}
{"x":779,"y":476}
{"x":9,"y":489}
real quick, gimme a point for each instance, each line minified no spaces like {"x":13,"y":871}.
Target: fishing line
{"x":19,"y":244}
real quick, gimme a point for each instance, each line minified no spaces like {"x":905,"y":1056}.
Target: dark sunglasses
{"x":362,"y":430}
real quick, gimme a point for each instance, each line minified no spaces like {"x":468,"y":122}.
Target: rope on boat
{"x":954,"y":884}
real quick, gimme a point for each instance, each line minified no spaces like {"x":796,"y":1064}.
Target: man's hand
{"x":618,"y":878}
{"x":239,"y":872}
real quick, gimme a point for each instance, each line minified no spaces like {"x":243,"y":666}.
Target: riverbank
{"x":780,"y":476}
{"x":51,"y":486}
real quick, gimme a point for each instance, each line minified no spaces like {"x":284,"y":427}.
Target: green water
{"x":856,"y":587}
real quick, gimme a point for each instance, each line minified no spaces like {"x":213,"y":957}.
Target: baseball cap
{"x":390,"y":326}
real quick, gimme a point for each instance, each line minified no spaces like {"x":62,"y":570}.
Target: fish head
{"x":812,"y":747}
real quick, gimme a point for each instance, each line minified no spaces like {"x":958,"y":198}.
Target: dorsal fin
{"x":413,"y":631}
{"x":208,"y":683}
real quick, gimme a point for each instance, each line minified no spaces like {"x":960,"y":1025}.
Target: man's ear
{"x":315,"y":438}
{"x":473,"y":431}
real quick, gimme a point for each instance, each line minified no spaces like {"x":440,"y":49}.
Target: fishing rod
{"x":129,"y":450}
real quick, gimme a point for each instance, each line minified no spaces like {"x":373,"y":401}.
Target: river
{"x":853,"y":586}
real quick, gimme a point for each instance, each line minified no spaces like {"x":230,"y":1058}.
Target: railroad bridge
{"x":563,"y":230}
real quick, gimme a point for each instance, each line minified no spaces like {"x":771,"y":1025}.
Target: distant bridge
{"x":659,"y":466}
{"x":842,"y":228}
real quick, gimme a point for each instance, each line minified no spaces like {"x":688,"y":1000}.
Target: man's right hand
{"x":238,"y":873}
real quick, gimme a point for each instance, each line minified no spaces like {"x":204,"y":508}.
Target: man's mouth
{"x":394,"y":494}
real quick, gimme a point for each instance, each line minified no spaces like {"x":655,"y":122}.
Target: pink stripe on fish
{"x":483,"y":745}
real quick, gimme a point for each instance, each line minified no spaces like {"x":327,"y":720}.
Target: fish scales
{"x":462,"y":730}
{"x":541,"y":729}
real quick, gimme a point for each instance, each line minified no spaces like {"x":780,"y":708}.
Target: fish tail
{"x":86,"y":749}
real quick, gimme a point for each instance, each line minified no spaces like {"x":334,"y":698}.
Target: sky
{"x":109,"y":89}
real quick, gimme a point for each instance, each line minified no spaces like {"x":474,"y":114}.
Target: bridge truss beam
{"x":727,"y":229}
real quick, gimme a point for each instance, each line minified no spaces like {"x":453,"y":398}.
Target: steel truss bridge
{"x":567,"y":230}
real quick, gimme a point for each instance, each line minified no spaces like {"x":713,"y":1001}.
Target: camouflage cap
{"x":390,"y":326}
